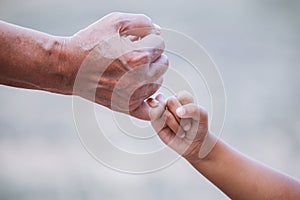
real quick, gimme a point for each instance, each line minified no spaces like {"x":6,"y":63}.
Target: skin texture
{"x":35,"y":60}
{"x":238,"y":176}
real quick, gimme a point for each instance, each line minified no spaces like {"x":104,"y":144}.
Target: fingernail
{"x":180,"y":111}
{"x":187,"y":127}
{"x":152,"y":102}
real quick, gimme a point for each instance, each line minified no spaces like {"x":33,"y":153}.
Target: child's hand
{"x":180,"y":123}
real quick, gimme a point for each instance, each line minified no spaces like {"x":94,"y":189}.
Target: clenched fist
{"x":121,"y":62}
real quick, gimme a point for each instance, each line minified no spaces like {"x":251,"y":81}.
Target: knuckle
{"x":115,"y":16}
{"x":119,"y":19}
{"x":145,"y":17}
{"x":134,"y":59}
{"x":165,"y":60}
{"x":145,"y":57}
{"x":194,"y":110}
{"x":157,"y":70}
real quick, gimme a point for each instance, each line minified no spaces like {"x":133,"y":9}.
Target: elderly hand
{"x":116,"y":62}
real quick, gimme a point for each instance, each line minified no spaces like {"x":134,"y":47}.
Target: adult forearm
{"x":31,"y":59}
{"x":240,"y":177}
{"x":100,"y":57}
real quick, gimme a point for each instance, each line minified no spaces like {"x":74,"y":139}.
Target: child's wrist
{"x":206,"y":150}
{"x":207,"y":146}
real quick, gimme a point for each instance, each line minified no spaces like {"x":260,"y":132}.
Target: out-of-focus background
{"x":256,"y":46}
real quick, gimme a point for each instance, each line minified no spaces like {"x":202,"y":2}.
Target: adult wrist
{"x":69,"y":59}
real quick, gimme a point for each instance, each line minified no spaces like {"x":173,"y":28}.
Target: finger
{"x":166,"y":135}
{"x":138,"y":107}
{"x":158,"y":68}
{"x":193,"y":111}
{"x":153,"y":103}
{"x":145,"y":112}
{"x":156,"y":113}
{"x":153,"y":44}
{"x":170,"y":139}
{"x":157,"y":29}
{"x":136,"y":24}
{"x":172,"y":105}
{"x":172,"y":123}
{"x":184,"y":97}
{"x":120,"y":102}
{"x":157,"y":106}
{"x":146,"y":51}
{"x":142,"y":92}
{"x":142,"y":112}
{"x":160,"y":97}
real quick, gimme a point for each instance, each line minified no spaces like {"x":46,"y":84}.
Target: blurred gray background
{"x":256,"y":46}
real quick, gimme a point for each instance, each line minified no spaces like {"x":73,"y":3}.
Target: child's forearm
{"x":242,"y":178}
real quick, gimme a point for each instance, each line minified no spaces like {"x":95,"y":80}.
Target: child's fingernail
{"x":187,"y":127}
{"x":152,"y":102}
{"x":180,"y":111}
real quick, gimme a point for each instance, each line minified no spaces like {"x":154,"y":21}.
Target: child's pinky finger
{"x":157,"y":107}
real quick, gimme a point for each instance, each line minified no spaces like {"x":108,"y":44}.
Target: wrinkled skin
{"x":118,"y":70}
